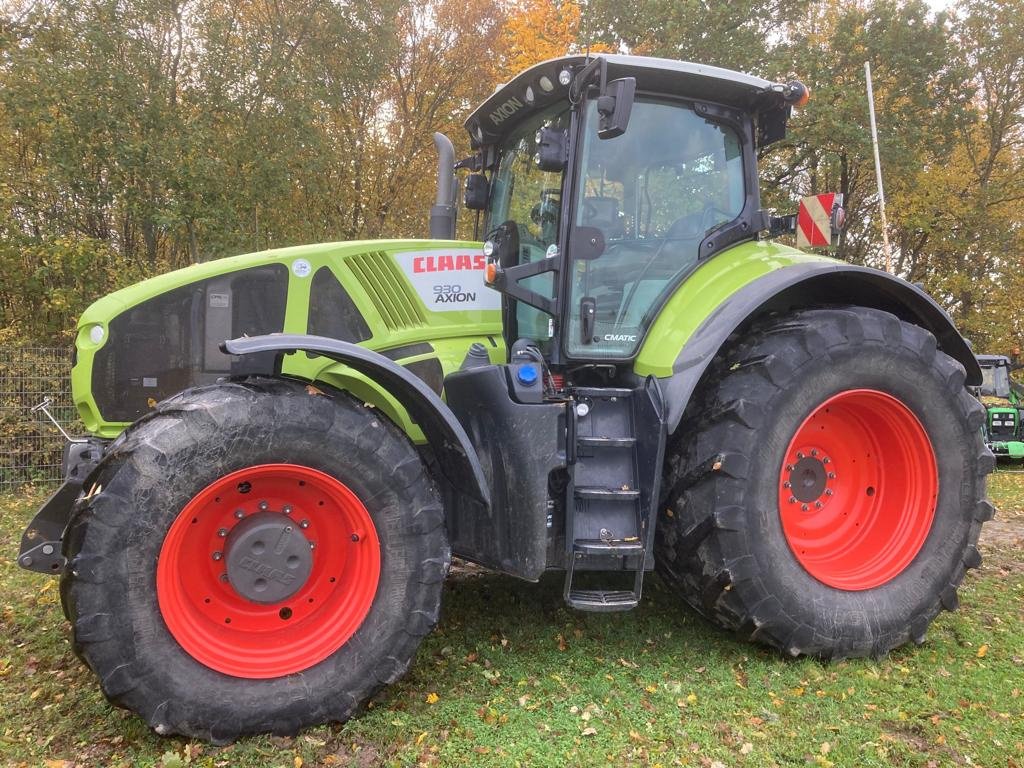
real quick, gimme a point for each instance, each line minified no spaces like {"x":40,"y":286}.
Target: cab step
{"x":606,"y":442}
{"x":606,"y":494}
{"x":613,"y":548}
{"x":602,"y":600}
{"x":603,"y":393}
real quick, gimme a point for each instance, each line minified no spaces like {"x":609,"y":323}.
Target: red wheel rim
{"x":857,"y":490}
{"x":224,"y":630}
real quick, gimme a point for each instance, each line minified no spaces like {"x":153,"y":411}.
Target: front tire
{"x":254,"y":556}
{"x":826,"y":489}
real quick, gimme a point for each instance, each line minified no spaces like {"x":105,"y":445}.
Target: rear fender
{"x":801,"y":286}
{"x":444,"y":433}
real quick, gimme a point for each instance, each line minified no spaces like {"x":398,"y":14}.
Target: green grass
{"x":512,"y":677}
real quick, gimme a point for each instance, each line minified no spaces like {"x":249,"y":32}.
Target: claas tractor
{"x":623,"y":373}
{"x":1003,"y":399}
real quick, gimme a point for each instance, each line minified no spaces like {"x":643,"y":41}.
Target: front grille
{"x":1003,"y":425}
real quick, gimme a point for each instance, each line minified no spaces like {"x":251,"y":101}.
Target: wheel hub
{"x":807,"y":479}
{"x":268,"y":557}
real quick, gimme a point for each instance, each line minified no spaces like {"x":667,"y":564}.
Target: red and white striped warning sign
{"x":814,"y":221}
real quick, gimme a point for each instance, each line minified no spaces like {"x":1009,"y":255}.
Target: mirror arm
{"x":507,"y":281}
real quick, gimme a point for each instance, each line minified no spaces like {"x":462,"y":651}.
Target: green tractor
{"x":1003,"y":399}
{"x":285,"y":448}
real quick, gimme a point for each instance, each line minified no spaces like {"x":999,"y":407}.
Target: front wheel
{"x":827,"y":489}
{"x":254,"y":556}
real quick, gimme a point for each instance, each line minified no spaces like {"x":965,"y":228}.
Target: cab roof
{"x":538,"y":87}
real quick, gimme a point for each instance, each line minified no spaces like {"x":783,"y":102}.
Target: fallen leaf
{"x":297,"y":762}
{"x":591,"y":731}
{"x":747,"y":748}
{"x":433,"y":698}
{"x":982,"y":650}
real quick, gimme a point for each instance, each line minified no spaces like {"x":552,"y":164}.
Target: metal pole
{"x":878,"y":171}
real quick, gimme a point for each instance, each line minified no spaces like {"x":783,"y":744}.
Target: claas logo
{"x":462,"y":262}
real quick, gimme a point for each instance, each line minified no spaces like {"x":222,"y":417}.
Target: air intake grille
{"x":394,"y":299}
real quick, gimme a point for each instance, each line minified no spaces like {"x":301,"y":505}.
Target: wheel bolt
{"x":222,"y":532}
{"x":355,"y":537}
{"x":831,"y":475}
{"x":792,"y":499}
{"x":312,"y":545}
{"x":218,"y":555}
{"x":828,"y":491}
{"x":786,"y":484}
{"x":287,"y":509}
{"x":814,"y":452}
{"x":799,"y":455}
{"x":304,"y":524}
{"x":826,"y":460}
{"x":264,"y":506}
{"x":817,"y":504}
{"x":239,"y":514}
{"x":803,"y":507}
{"x":790,"y":467}
{"x":223,"y":577}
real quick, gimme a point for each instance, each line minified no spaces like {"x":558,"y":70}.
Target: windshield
{"x":654,"y":193}
{"x":995,"y":381}
{"x":532,"y":198}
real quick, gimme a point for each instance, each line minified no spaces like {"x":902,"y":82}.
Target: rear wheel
{"x":255,"y":556}
{"x":827,"y":488}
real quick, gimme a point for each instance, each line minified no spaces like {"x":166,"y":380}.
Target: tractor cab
{"x":604,"y":182}
{"x":995,"y":373}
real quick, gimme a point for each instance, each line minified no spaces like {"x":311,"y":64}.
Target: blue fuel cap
{"x":527,"y":375}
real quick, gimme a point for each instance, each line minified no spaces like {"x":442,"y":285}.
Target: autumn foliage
{"x":143,"y":135}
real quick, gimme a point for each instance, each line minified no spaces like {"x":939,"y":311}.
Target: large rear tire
{"x":254,"y":556}
{"x":825,"y":491}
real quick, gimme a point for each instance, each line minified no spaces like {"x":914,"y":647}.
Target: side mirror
{"x":552,"y":149}
{"x":614,"y":107}
{"x":475,"y":195}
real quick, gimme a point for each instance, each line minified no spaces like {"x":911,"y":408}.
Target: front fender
{"x":803,"y":285}
{"x":452,"y":447}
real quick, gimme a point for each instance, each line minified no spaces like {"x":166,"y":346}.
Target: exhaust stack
{"x":443,"y":212}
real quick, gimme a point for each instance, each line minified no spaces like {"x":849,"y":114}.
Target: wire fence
{"x":30,"y":446}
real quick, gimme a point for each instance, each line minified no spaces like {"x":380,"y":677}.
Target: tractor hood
{"x":420,"y":302}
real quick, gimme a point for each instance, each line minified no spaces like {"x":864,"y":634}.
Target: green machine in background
{"x":1003,"y":399}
